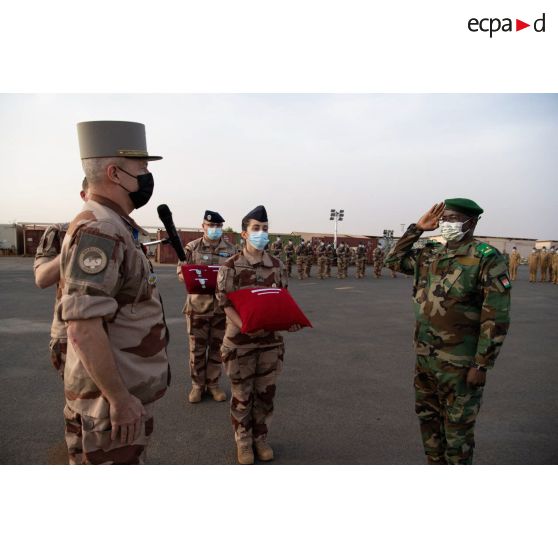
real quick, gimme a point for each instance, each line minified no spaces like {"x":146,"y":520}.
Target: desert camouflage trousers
{"x":328,"y":267}
{"x":360,"y":268}
{"x":322,"y":262}
{"x":513,"y":271}
{"x":89,"y":443}
{"x":253,"y":374}
{"x":308,"y":266}
{"x":289,"y":265}
{"x":342,"y":267}
{"x":378,"y":268}
{"x":205,"y":336}
{"x":58,"y":349}
{"x":447,"y":408}
{"x":300,"y":267}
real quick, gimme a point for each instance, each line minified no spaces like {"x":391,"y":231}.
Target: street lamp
{"x":336,"y":216}
{"x":388,"y":238}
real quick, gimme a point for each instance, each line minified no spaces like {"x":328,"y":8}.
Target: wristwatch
{"x":480,"y":368}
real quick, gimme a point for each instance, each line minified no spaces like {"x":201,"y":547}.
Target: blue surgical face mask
{"x":214,"y":233}
{"x":258,"y":239}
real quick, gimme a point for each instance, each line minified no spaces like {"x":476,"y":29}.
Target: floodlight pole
{"x":336,"y":216}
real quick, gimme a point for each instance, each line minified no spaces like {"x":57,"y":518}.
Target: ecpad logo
{"x":493,"y":25}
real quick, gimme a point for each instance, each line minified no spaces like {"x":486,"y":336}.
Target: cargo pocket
{"x":465,"y":407}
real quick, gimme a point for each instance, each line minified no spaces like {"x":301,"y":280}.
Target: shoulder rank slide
{"x":485,"y":249}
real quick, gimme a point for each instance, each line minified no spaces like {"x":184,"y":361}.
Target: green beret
{"x":465,"y":206}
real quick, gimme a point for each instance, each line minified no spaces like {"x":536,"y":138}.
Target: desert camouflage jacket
{"x":105,"y":274}
{"x":242,"y":271}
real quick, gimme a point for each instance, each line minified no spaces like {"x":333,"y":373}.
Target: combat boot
{"x":244,"y":454}
{"x":217,"y":393}
{"x":263,"y":450}
{"x":195,"y":394}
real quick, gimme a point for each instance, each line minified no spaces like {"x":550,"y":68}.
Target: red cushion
{"x":200,"y":279}
{"x":268,"y":309}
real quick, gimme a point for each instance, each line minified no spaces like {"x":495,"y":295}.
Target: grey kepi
{"x":113,"y":138}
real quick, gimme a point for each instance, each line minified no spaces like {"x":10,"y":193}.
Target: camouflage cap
{"x":113,"y":138}
{"x":463,"y":205}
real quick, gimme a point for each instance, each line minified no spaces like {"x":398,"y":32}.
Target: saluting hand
{"x":429,"y":221}
{"x":125,"y":415}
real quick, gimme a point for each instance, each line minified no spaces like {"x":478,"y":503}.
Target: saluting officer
{"x":462,"y":303}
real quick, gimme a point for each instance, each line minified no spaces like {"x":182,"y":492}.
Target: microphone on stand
{"x":166,"y":217}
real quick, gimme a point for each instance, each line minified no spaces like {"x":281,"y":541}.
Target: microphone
{"x":166,"y":216}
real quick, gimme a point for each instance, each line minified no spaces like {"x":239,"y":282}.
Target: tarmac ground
{"x":345,"y":395}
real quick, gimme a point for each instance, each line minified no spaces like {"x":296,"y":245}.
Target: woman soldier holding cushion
{"x":252,"y":361}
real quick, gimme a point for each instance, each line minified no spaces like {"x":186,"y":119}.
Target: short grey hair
{"x":94,"y":168}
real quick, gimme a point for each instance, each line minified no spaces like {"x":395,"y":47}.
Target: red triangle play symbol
{"x":519,"y":25}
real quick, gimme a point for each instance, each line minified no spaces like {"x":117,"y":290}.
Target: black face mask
{"x":145,"y":188}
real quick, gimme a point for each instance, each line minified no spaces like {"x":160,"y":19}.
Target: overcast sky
{"x":384,"y":159}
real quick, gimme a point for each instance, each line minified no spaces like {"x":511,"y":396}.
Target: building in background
{"x":11,"y":239}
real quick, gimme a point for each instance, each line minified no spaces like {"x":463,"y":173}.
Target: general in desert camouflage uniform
{"x":515,"y":260}
{"x":378,"y":259}
{"x":253,"y":362}
{"x":116,"y":365}
{"x":534,"y":264}
{"x":462,"y":301}
{"x":46,"y":268}
{"x":342,"y":260}
{"x":289,"y":255}
{"x":205,"y":320}
{"x":322,"y":259}
{"x":361,"y":261}
{"x":300,"y":259}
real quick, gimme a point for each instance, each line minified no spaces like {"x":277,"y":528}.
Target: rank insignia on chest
{"x":206,"y":257}
{"x":152,"y":279}
{"x":505,"y":281}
